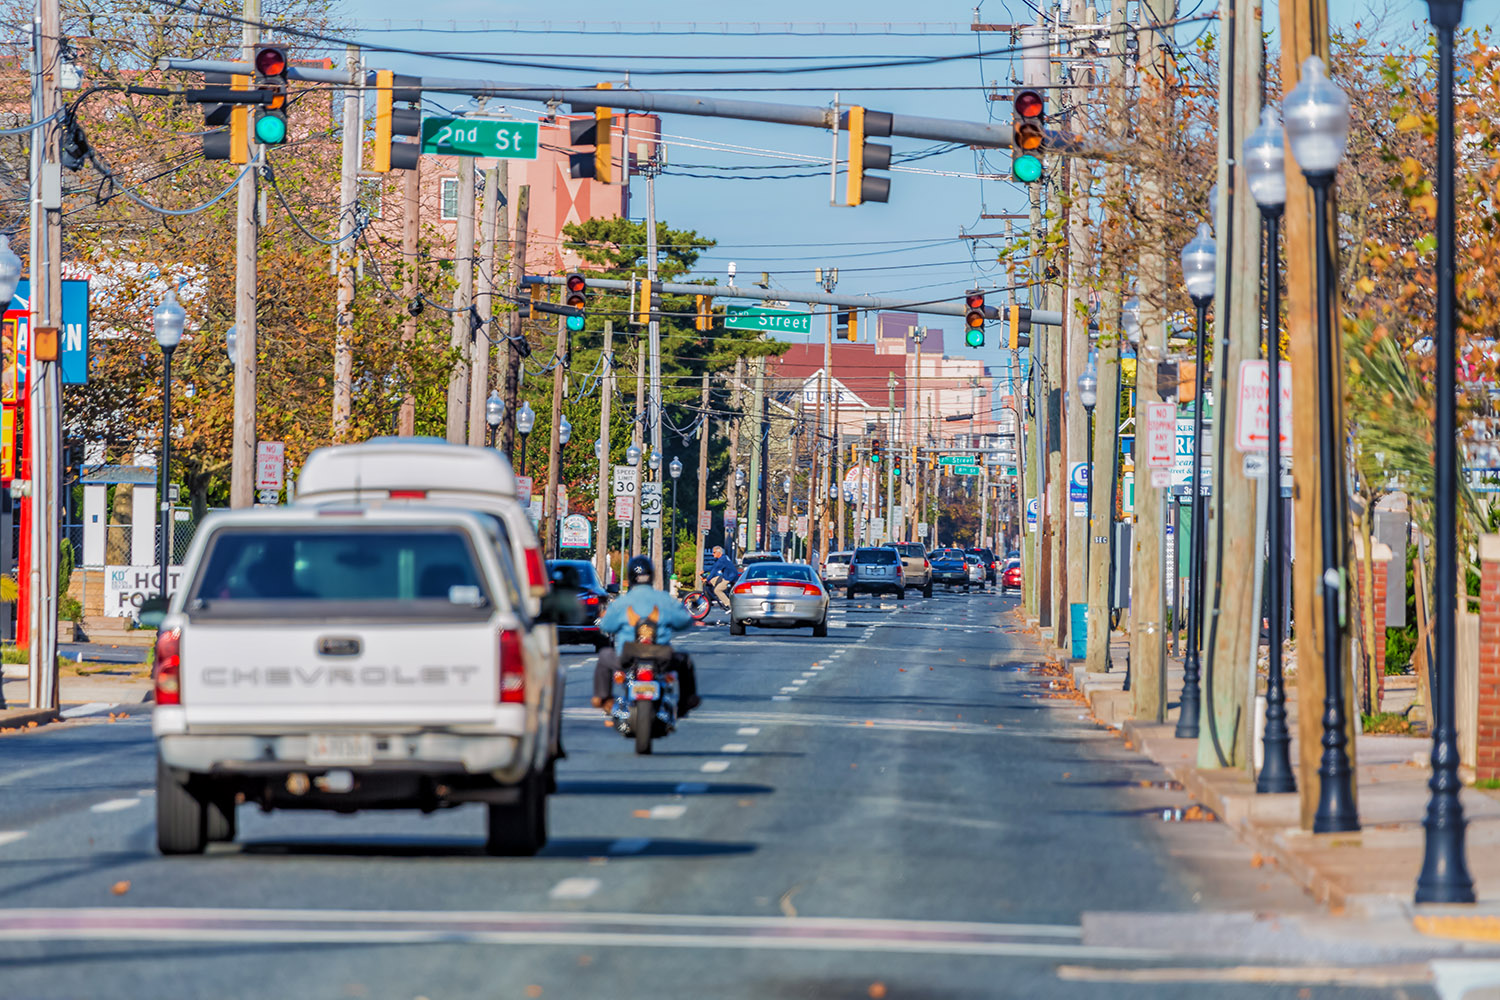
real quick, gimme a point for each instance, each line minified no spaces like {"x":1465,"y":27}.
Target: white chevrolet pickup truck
{"x":350,"y":658}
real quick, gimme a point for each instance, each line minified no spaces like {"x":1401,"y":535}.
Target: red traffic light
{"x":974,"y":300}
{"x":270,"y":61}
{"x":576,"y":286}
{"x":1028,"y":104}
{"x":974,"y":318}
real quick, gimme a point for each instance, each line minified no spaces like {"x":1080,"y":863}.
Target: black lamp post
{"x":1265,"y":170}
{"x":1198,"y":275}
{"x":1445,"y":874}
{"x":525,"y":421}
{"x":1088,"y":395}
{"x":1317,"y":128}
{"x":167,"y":321}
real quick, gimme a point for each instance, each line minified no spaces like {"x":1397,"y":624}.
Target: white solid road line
{"x":714,"y":766}
{"x":114,"y":805}
{"x":574,"y":888}
{"x":748,"y":731}
{"x":781,"y":697}
{"x":734,"y":748}
{"x":11,"y":836}
{"x":27,"y":773}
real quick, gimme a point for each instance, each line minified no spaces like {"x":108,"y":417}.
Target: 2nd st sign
{"x":480,"y":137}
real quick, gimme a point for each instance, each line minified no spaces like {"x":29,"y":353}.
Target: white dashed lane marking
{"x":11,"y":836}
{"x":734,"y":748}
{"x":667,"y":812}
{"x":781,"y":697}
{"x":575,"y":888}
{"x":114,"y":805}
{"x":714,"y":766}
{"x":748,"y":731}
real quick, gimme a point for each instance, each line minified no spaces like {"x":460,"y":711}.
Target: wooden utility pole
{"x":463,"y":301}
{"x":601,"y":503}
{"x":757,"y":418}
{"x":919,"y":334}
{"x":479,"y":346}
{"x":637,"y":437}
{"x":411,"y":188}
{"x":825,"y":412}
{"x":736,"y":403}
{"x":554,"y":446}
{"x":700,"y":535}
{"x":1304,"y":32}
{"x":344,"y":255}
{"x":513,"y":349}
{"x":246,"y":243}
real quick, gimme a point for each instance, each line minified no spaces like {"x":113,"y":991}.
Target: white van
{"x":427,"y":470}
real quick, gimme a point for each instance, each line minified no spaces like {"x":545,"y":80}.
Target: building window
{"x":369,"y":195}
{"x":450,"y":198}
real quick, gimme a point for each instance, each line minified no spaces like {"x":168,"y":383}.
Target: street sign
{"x":802,"y":525}
{"x":562,"y":500}
{"x":627,"y":480}
{"x":921,"y":529}
{"x":767,"y":320}
{"x":781,"y":523}
{"x":624,"y":508}
{"x":958,"y":460}
{"x":730,"y":520}
{"x":898,"y":514}
{"x":1253,"y":415}
{"x":1010,"y":470}
{"x":706,"y":522}
{"x":270,"y":497}
{"x":651,"y":506}
{"x":1078,"y":482}
{"x":523,"y":490}
{"x":1255,"y":465}
{"x":1033,"y":507}
{"x":576,"y":532}
{"x":270,"y":465}
{"x":1161,"y":422}
{"x":488,"y":137}
{"x":1161,"y":478}
{"x":965,"y":470}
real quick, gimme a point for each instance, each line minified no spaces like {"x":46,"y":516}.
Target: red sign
{"x":706,"y":522}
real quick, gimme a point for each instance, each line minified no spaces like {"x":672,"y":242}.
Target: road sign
{"x":1255,"y":465}
{"x":627,"y":480}
{"x":706,"y":522}
{"x":1161,"y":423}
{"x":1161,"y":478}
{"x":270,"y":465}
{"x":802,"y":525}
{"x":1033,"y":506}
{"x":959,"y":460}
{"x":898,"y":514}
{"x":489,"y":137}
{"x":562,"y":500}
{"x":781,"y":523}
{"x":730,"y":520}
{"x":1253,"y":415}
{"x":576,"y":532}
{"x":921,"y":529}
{"x":1010,"y":470}
{"x":624,"y":508}
{"x":651,"y":506}
{"x":965,"y":470}
{"x":1078,"y":482}
{"x":523,"y":490}
{"x":767,"y":320}
{"x":268,"y":496}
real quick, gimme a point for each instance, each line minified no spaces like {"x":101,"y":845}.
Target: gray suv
{"x":917,"y":568}
{"x":875,"y":569}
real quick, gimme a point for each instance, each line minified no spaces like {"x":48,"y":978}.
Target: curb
{"x":27,"y":718}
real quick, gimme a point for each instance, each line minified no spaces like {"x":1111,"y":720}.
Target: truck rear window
{"x":877,"y":557}
{"x":312,"y":569}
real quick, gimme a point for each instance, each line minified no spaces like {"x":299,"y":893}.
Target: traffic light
{"x":849,"y":324}
{"x":974,"y":318}
{"x":391,"y":121}
{"x":896,"y":469}
{"x":705,"y":313}
{"x":875,"y":450}
{"x":577,"y":294}
{"x":1027,"y":138}
{"x":646,"y":300}
{"x":865,"y":156}
{"x":270,"y":76}
{"x":229,"y":123}
{"x":1020,"y":323}
{"x":597,"y":162}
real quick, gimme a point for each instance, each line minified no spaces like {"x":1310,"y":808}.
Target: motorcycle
{"x":645,"y":705}
{"x":700,"y":602}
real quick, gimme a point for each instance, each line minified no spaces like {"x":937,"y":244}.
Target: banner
{"x":125,"y":587}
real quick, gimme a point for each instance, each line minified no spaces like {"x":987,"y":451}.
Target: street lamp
{"x":599,"y":449}
{"x":1198,"y":275}
{"x":1088,"y":395}
{"x":1445,"y":875}
{"x":1317,"y":127}
{"x":1265,"y":171}
{"x":675,"y":470}
{"x":10,"y":272}
{"x":525,"y":421}
{"x":1130,"y":318}
{"x":167,"y":322}
{"x":633,"y":455}
{"x":494,"y":413}
{"x":564,"y":430}
{"x":231,"y":338}
{"x":654,"y":461}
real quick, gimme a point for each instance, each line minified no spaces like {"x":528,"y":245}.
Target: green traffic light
{"x":974,"y":337}
{"x":575,"y":323}
{"x":270,"y":129}
{"x":1026,"y":168}
{"x":874,"y":458}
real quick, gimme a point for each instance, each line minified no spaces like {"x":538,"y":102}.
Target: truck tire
{"x":180,"y":821}
{"x":642,"y":718}
{"x":519,"y":829}
{"x":219,"y":816}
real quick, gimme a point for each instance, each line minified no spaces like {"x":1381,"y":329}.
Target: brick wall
{"x":1381,"y":555}
{"x":1487,"y":761}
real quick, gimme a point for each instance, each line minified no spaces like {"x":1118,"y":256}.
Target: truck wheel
{"x":519,"y":830}
{"x":180,"y":822}
{"x":219,"y":816}
{"x":927,"y":590}
{"x":642,"y":718}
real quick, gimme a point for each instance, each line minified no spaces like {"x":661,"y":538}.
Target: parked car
{"x":990,"y":563}
{"x":875,"y":570}
{"x":915,"y":566}
{"x":580,"y":623}
{"x":836,"y":569}
{"x":1010,"y":577}
{"x":975,"y":568}
{"x":778,"y":595}
{"x":950,"y":569}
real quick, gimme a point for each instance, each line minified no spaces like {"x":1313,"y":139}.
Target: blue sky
{"x":908,"y":247}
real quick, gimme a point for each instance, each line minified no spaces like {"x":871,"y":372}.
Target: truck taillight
{"x":535,"y":578}
{"x":512,"y":668}
{"x":168,"y":668}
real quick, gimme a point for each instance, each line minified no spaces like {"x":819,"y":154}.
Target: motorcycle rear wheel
{"x":642,"y":718}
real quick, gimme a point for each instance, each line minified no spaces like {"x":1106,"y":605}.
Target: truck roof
{"x":381,"y":465}
{"x":334,"y":514}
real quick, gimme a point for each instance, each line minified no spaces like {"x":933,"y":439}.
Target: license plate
{"x":340,"y":748}
{"x":645,"y":690}
{"x":783,"y":606}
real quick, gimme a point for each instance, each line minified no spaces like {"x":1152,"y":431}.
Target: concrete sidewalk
{"x":124,"y":684}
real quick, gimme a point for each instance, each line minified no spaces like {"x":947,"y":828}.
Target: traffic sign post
{"x":767,"y":320}
{"x":270,"y":466}
{"x":488,"y":137}
{"x":651,"y":506}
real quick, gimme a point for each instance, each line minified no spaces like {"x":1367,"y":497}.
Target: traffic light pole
{"x":411,"y":185}
{"x":481,"y":345}
{"x":246,"y":236}
{"x":463,"y":300}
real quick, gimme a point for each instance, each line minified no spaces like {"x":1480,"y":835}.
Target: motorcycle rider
{"x":722,"y":573}
{"x":638,"y":603}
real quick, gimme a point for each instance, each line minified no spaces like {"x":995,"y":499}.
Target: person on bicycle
{"x":722,"y":573}
{"x":637,"y":605}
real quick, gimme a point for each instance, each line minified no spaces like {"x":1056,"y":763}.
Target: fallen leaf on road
{"x":869,"y":722}
{"x":31,"y":724}
{"x":853,"y":766}
{"x":120,"y":888}
{"x":1129,"y":745}
{"x":533,"y":990}
{"x":902,"y":669}
{"x":1067,"y":774}
{"x":877,"y":990}
{"x":1256,"y":860}
{"x":585,"y":959}
{"x":642,"y":814}
{"x":999,"y":726}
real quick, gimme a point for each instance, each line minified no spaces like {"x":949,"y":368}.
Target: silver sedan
{"x":778,"y":595}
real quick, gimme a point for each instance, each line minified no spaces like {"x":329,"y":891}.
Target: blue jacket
{"x":724,"y":567}
{"x":642,"y":598}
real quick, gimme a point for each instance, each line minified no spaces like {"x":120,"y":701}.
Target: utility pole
{"x":829,"y":279}
{"x":637,"y":438}
{"x":554,"y":446}
{"x":463,"y":302}
{"x":919,"y":334}
{"x":246,"y":236}
{"x":890,"y":457}
{"x":757,"y":415}
{"x":654,"y":333}
{"x":411,"y":188}
{"x":601,"y":503}
{"x":344,"y":253}
{"x":513,"y":349}
{"x":1232,"y":636}
{"x":736,"y":403}
{"x":1054,"y":576}
{"x":699,"y":535}
{"x":836,"y":466}
{"x":480,"y":346}
{"x":1111,"y":331}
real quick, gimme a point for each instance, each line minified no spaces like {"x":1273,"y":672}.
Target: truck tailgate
{"x":303,"y":674}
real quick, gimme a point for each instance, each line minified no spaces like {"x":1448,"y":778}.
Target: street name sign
{"x":965,"y":470}
{"x":958,"y":460}
{"x":490,"y":137}
{"x":767,"y":320}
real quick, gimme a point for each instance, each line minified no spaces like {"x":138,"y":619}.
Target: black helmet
{"x":640,"y":570}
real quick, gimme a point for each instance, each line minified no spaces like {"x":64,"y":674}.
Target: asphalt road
{"x":902,"y":809}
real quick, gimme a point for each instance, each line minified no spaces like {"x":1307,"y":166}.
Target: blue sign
{"x":1031,"y":510}
{"x":1078,"y":482}
{"x":74,"y":329}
